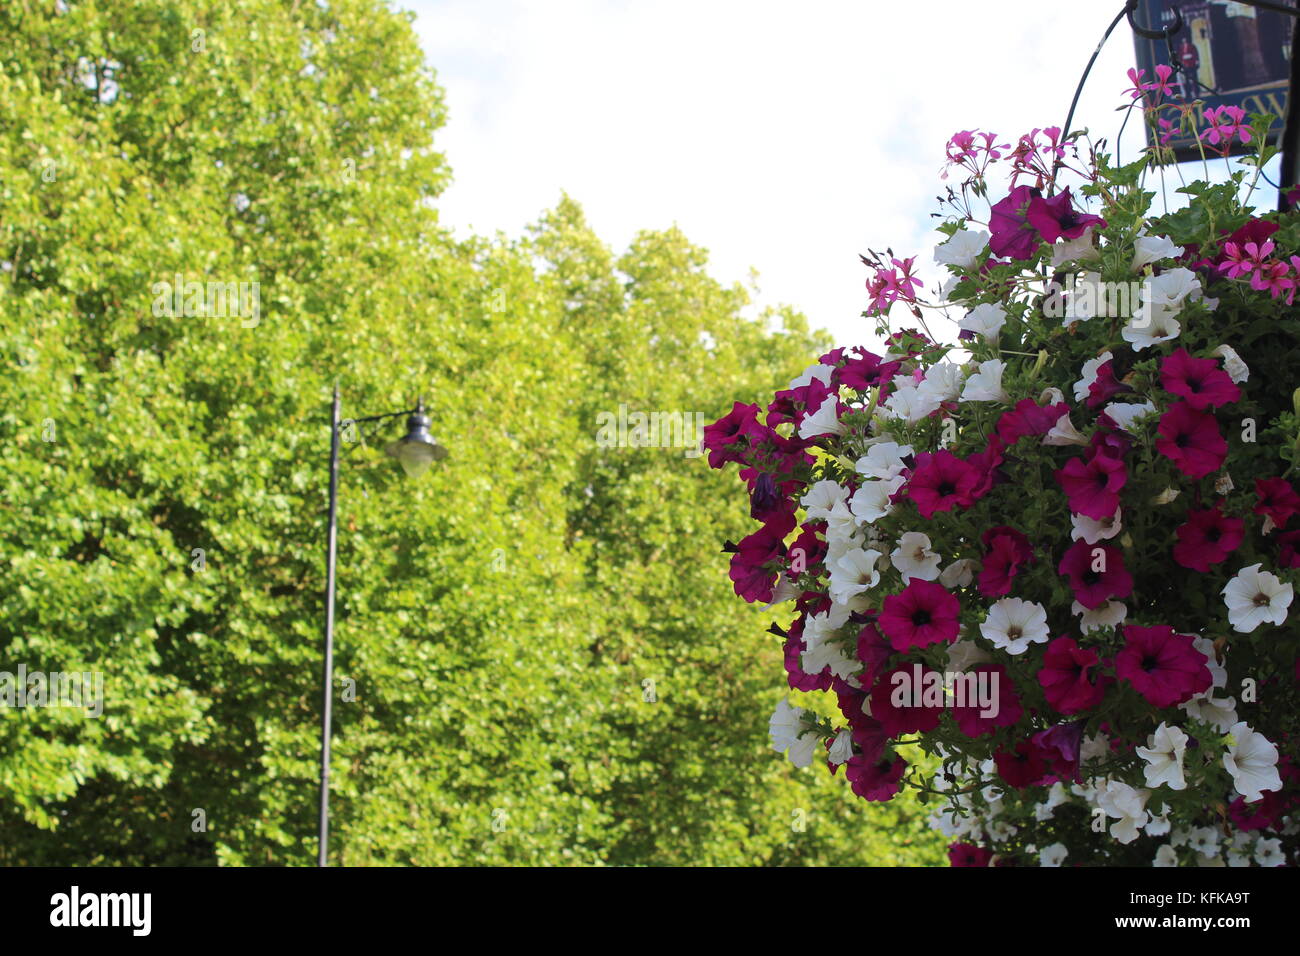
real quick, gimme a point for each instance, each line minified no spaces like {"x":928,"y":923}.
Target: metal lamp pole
{"x":415,"y":451}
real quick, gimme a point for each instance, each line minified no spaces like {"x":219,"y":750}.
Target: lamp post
{"x":415,"y":451}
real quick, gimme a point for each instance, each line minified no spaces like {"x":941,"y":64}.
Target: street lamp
{"x":415,"y":451}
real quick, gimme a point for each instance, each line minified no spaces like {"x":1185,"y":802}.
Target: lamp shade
{"x":417,"y":449}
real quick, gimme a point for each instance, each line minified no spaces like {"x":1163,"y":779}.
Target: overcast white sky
{"x":787,"y":137}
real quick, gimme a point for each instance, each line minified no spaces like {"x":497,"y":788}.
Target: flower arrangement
{"x":1046,"y":571}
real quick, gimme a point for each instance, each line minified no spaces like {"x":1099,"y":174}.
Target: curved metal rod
{"x":1162,"y":34}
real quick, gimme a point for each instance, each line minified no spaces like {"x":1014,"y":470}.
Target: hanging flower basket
{"x":1046,"y":571}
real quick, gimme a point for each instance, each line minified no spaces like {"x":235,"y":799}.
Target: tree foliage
{"x":162,"y":480}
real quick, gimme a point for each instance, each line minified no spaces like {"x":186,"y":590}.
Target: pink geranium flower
{"x":1191,"y":440}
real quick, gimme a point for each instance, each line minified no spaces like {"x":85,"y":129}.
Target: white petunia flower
{"x":1149,"y":249}
{"x":1252,"y":761}
{"x":1173,"y":287}
{"x":1092,"y":530}
{"x":1269,"y":853}
{"x":1218,"y":673}
{"x":1080,"y":249}
{"x":785,"y":590}
{"x":1237,"y":370}
{"x":1064,"y":433}
{"x":959,"y":574}
{"x":824,"y":421}
{"x":962,"y":250}
{"x":1151,"y":325}
{"x":1089,"y":375}
{"x":1053,"y":855}
{"x":830,"y":654}
{"x":910,"y":404}
{"x":913,"y":557}
{"x":963,"y":655}
{"x":1127,"y":805}
{"x":820,"y":372}
{"x":1086,"y":294}
{"x":790,"y":733}
{"x":1256,"y":597}
{"x":1158,"y":824}
{"x":852,"y":574}
{"x":1111,"y":614}
{"x":883,"y":460}
{"x":821,"y":498}
{"x":842,"y":749}
{"x":1166,"y":856}
{"x":1164,"y":756}
{"x":871,"y":502}
{"x":1204,"y":840}
{"x":942,"y":383}
{"x":1124,"y":414}
{"x":986,"y":384}
{"x":984,"y":320}
{"x":1219,"y":713}
{"x":1012,"y":625}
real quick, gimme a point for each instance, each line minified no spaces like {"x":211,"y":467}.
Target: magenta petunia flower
{"x":865,"y":370}
{"x":1106,"y":386}
{"x":1200,"y":381}
{"x":1008,"y":549}
{"x":1024,"y":766}
{"x":797,"y":678}
{"x":1288,"y":549}
{"x":1206,"y":538}
{"x":1068,"y":676}
{"x":893,"y":703}
{"x":967,"y":854}
{"x":968,"y":714}
{"x":874,"y":651}
{"x":987,"y":465}
{"x":1276,"y":499}
{"x":1096,"y":573}
{"x":1056,"y":218}
{"x":757,"y":559}
{"x":727,"y":438}
{"x":1060,"y":747}
{"x":1011,"y":233}
{"x":1093,"y":484}
{"x":875,"y":779}
{"x":923,"y":613}
{"x":1029,"y":418}
{"x":1191,"y":440}
{"x":941,"y":481}
{"x":1162,"y":666}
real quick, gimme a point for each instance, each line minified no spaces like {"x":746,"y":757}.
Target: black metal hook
{"x":1162,"y":34}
